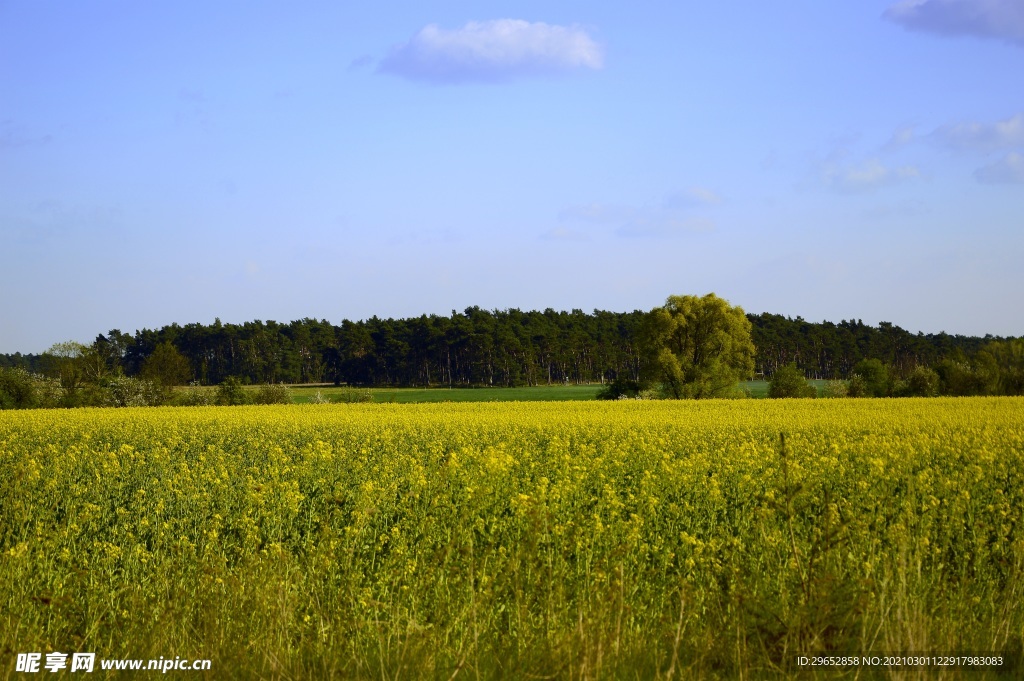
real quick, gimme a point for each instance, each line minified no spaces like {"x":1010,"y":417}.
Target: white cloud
{"x":1007,"y":170}
{"x":982,"y":137}
{"x":865,"y":176}
{"x":492,"y":51}
{"x":999,"y":19}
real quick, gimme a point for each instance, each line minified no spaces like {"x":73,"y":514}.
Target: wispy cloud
{"x":901,"y":137}
{"x":564,"y":234}
{"x":693,"y":196}
{"x":660,"y":226}
{"x":191,"y":94}
{"x":864,"y":176}
{"x":998,"y":19}
{"x":899,"y":210}
{"x":54,"y":222}
{"x":982,"y":137}
{"x":492,"y":51}
{"x":677,"y":215}
{"x":16,"y":136}
{"x":601,"y":213}
{"x":1007,"y":170}
{"x":360,"y":61}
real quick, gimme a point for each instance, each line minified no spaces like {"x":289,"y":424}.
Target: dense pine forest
{"x":492,"y":348}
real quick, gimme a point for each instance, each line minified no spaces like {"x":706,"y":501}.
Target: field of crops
{"x":516,"y":540}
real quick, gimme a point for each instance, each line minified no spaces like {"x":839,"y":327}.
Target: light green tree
{"x":922,"y":382}
{"x":788,"y":381}
{"x":66,"y":362}
{"x":166,"y":366}
{"x":875,"y":378}
{"x":698,"y":347}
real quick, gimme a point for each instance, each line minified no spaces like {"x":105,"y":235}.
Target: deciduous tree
{"x":698,"y":347}
{"x":788,"y":381}
{"x":166,"y":366}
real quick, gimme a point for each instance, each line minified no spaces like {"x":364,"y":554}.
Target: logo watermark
{"x":32,"y":663}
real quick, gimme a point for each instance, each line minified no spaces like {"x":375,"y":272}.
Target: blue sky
{"x":177,"y":162}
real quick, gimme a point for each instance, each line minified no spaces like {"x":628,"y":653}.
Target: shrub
{"x":857,"y":387}
{"x":923,"y":382}
{"x":788,"y":381}
{"x":353,"y":395}
{"x":194,"y":396}
{"x":959,"y":377}
{"x":273,"y":394}
{"x":875,"y":376}
{"x":231,"y":393}
{"x":619,"y":389}
{"x":835,"y":389}
{"x":132,"y":392}
{"x":320,"y":398}
{"x":17,"y":389}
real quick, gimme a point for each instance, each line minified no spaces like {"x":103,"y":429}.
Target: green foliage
{"x":789,"y":381}
{"x":65,"y":362}
{"x":538,"y":393}
{"x":124,"y":391}
{"x":353,"y":395}
{"x":17,"y":389}
{"x":875,"y":376}
{"x":835,"y":388}
{"x":697,"y":347}
{"x":961,"y":377}
{"x":273,"y":393}
{"x":231,"y":393}
{"x":857,"y":387}
{"x":1007,"y":357}
{"x":166,"y":366}
{"x":501,"y":348}
{"x":922,"y":382}
{"x":319,"y":398}
{"x":620,"y":388}
{"x":194,"y":396}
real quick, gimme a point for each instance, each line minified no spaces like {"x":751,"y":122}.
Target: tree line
{"x":479,"y":347}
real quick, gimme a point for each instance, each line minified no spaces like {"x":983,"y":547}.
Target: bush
{"x":875,"y":376}
{"x":959,"y":377}
{"x":923,"y":382}
{"x":231,"y":393}
{"x":788,"y":381}
{"x":17,"y":389}
{"x":354,"y":395}
{"x":132,"y":392}
{"x":194,"y":396}
{"x":619,"y":389}
{"x":273,"y":394}
{"x":857,"y":387}
{"x":835,"y":389}
{"x":320,"y":398}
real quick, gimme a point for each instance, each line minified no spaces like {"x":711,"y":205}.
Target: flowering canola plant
{"x":571,"y":539}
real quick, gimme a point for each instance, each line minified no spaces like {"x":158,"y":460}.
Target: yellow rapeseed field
{"x":712,"y":539}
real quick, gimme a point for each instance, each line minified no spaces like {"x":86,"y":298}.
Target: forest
{"x":478,"y":347}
